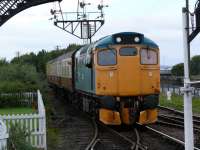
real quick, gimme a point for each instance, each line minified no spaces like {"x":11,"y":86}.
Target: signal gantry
{"x":82,"y":23}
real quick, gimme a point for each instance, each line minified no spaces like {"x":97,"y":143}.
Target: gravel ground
{"x":73,"y":130}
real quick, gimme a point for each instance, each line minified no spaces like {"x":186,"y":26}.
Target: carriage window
{"x":128,"y":51}
{"x":149,"y":57}
{"x":107,"y":57}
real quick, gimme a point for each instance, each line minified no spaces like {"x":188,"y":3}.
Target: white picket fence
{"x":26,"y":98}
{"x":3,"y":136}
{"x":177,"y":91}
{"x":35,"y":124}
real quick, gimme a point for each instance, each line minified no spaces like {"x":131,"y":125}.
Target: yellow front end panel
{"x":148,"y":116}
{"x":150,"y":80}
{"x":109,"y":117}
{"x":128,"y":75}
{"x":106,"y":81}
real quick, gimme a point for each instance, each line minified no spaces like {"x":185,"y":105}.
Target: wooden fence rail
{"x":35,"y":124}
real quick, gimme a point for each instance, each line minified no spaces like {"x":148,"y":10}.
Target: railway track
{"x":150,"y":137}
{"x":175,"y":118}
{"x":75,"y":130}
{"x":164,"y":141}
{"x":106,"y":138}
{"x":84,"y":133}
{"x":173,"y":112}
{"x":80,"y":131}
{"x":171,"y":123}
{"x":176,"y":121}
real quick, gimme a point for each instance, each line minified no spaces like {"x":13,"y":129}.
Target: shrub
{"x":17,"y":139}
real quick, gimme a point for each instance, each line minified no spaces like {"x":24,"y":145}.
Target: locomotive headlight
{"x":137,"y":39}
{"x":118,"y":39}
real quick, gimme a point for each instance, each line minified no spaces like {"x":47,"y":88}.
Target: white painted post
{"x":188,"y":120}
{"x":169,"y":95}
{"x":42,"y":121}
{"x":3,"y":136}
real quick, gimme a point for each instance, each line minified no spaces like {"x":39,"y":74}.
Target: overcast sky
{"x":160,"y":20}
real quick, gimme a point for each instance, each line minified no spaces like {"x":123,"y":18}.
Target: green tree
{"x":178,"y":70}
{"x":3,"y":62}
{"x":40,"y":59}
{"x":18,"y":77}
{"x":195,"y":65}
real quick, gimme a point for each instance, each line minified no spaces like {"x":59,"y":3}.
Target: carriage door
{"x":128,"y":74}
{"x":106,"y":72}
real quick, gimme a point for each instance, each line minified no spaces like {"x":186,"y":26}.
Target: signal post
{"x":187,"y":89}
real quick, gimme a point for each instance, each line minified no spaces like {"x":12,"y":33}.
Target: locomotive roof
{"x":106,"y":41}
{"x":109,"y":40}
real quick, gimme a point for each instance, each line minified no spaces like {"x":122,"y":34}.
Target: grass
{"x":177,"y":103}
{"x":20,"y":110}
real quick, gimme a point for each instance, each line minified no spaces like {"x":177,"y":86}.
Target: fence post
{"x":3,"y":136}
{"x":42,"y":121}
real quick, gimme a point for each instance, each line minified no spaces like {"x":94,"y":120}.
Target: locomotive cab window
{"x":128,"y":51}
{"x":107,"y":57}
{"x":148,"y":57}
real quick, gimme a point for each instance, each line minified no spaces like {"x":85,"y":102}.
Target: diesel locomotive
{"x":117,"y":78}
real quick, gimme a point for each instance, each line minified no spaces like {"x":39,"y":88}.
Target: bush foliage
{"x":17,"y":138}
{"x":18,"y":78}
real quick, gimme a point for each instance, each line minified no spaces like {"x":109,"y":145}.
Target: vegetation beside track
{"x":17,"y":139}
{"x":176,"y":102}
{"x":20,"y":110}
{"x":26,"y":73}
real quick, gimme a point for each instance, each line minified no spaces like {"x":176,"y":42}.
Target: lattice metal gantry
{"x":9,"y":8}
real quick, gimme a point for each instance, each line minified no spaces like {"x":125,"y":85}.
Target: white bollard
{"x":3,"y":136}
{"x":169,"y":95}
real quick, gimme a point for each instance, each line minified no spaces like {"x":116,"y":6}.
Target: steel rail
{"x":94,"y":139}
{"x":166,"y":136}
{"x":177,"y":122}
{"x":139,"y":146}
{"x":179,"y":118}
{"x":135,"y":145}
{"x":177,"y":112}
{"x":117,"y":133}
